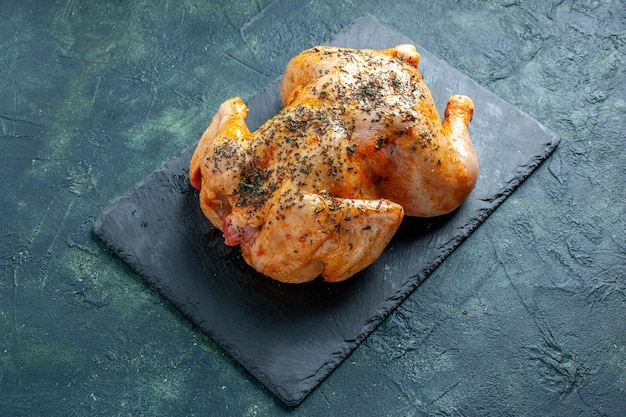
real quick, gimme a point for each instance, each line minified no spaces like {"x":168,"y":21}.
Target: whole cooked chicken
{"x":321,"y":188}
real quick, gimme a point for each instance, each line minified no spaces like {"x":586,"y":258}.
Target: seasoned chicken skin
{"x":321,"y":188}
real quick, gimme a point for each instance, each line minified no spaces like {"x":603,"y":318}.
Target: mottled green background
{"x":527,"y":317}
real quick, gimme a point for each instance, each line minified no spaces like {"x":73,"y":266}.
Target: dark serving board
{"x":290,"y":337}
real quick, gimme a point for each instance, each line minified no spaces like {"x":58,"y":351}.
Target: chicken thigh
{"x":321,"y":188}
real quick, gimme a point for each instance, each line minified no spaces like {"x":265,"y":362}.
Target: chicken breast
{"x":321,"y":188}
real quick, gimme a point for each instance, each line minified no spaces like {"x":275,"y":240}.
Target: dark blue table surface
{"x":526,"y":317}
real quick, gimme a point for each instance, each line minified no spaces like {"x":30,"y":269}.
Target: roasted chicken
{"x":321,"y":188}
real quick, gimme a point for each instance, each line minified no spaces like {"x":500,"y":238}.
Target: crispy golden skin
{"x":321,"y":188}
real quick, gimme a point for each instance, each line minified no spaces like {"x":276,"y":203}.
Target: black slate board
{"x":291,"y":337}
